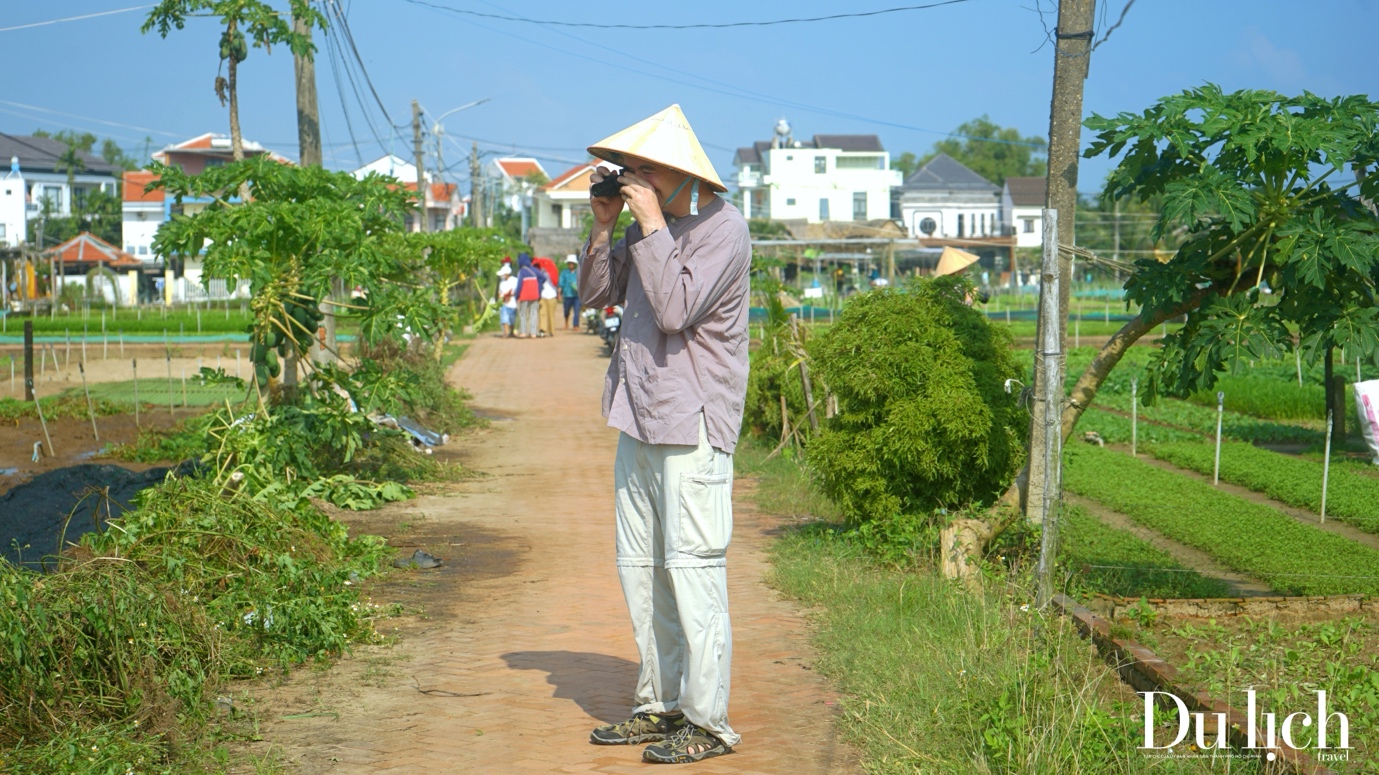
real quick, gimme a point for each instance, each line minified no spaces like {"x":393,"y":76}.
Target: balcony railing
{"x":748,"y":179}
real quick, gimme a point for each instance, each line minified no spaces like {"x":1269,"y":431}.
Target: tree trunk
{"x":1090,"y":382}
{"x":236,"y":141}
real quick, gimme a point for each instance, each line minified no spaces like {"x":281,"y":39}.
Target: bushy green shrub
{"x":774,"y":370}
{"x":924,"y":421}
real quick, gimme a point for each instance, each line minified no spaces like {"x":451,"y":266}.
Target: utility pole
{"x":476,"y":187}
{"x":421,"y":167}
{"x":309,"y":151}
{"x":308,"y":118}
{"x":1072,"y":53}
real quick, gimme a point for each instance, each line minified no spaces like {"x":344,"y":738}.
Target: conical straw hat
{"x":953,"y":261}
{"x":667,"y":139}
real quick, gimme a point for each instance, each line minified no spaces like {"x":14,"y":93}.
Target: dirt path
{"x":525,"y":644}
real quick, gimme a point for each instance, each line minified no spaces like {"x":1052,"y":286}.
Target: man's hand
{"x":643,"y":201}
{"x":606,"y":209}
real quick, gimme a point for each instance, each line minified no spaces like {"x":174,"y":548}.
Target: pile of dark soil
{"x":33,"y":515}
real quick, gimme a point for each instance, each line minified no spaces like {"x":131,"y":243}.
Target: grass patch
{"x":59,"y":407}
{"x":935,"y":679}
{"x":938,"y":680}
{"x":156,"y":390}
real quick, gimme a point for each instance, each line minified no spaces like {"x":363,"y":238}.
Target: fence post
{"x":1051,"y":397}
{"x":1220,"y":409}
{"x":1326,"y":463}
{"x":1134,"y":415}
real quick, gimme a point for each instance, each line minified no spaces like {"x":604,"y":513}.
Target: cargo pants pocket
{"x":706,"y":514}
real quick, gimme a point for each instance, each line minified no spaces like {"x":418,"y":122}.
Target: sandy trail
{"x":525,"y":643}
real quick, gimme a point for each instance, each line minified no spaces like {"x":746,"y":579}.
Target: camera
{"x":609,"y":186}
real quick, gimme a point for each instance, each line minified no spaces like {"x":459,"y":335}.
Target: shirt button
{"x":636,"y":314}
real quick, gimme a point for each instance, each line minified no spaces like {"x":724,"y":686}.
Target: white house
{"x":946,"y":200}
{"x":445,"y":207}
{"x":44,"y":179}
{"x":562,"y":203}
{"x":825,"y":178}
{"x":512,"y":175}
{"x":12,"y":218}
{"x":1022,"y":205}
{"x":143,"y":212}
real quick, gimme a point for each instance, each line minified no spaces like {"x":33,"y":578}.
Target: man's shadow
{"x":601,"y":685}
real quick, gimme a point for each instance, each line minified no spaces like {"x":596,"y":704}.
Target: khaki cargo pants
{"x":674,"y":521}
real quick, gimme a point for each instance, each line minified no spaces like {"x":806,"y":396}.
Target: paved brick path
{"x":548,"y":648}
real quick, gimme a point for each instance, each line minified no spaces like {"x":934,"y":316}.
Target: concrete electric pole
{"x":476,"y":187}
{"x":1072,"y":52}
{"x":421,"y":166}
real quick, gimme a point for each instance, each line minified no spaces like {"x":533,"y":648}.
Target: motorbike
{"x":608,"y":327}
{"x":591,"y":322}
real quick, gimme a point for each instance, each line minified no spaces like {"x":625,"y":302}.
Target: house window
{"x":820,"y":164}
{"x":961,"y":231}
{"x":1029,"y":225}
{"x":143,"y":250}
{"x":928,"y":226}
{"x":2,"y":231}
{"x":860,"y":163}
{"x":823,"y":209}
{"x":790,"y":201}
{"x":859,"y":206}
{"x":214,"y":162}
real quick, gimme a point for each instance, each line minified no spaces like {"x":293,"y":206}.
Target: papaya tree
{"x":1271,"y":196}
{"x":247,"y":23}
{"x":301,"y":227}
{"x":456,"y":257}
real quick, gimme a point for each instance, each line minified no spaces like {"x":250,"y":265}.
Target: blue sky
{"x":909,"y":77}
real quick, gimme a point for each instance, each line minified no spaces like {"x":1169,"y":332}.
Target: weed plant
{"x":60,"y":407}
{"x":109,"y":663}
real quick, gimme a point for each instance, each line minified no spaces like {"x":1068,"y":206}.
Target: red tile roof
{"x":134,"y":183}
{"x":520,"y":168}
{"x":573,"y":179}
{"x":87,"y":248}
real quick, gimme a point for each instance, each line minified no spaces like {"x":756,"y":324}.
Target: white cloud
{"x":1281,"y":68}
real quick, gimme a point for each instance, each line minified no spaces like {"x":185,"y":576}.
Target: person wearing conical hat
{"x":675,"y":388}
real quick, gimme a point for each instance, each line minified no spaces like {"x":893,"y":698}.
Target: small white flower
{"x":1024,"y":607}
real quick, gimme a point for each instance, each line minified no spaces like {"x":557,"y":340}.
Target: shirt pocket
{"x":706,"y":514}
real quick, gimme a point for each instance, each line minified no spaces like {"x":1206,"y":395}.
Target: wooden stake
{"x":44,"y":423}
{"x":90,"y":407}
{"x":136,"y":392}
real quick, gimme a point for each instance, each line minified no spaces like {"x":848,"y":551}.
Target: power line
{"x":349,"y":38}
{"x":89,"y":118}
{"x":75,"y":18}
{"x":1113,"y":27}
{"x":599,"y":25}
{"x":700,"y":83}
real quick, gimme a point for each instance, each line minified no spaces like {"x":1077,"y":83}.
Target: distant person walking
{"x":507,"y":300}
{"x":529,"y":283}
{"x":569,"y":291}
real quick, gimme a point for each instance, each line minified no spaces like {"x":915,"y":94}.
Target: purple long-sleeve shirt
{"x":683,"y":343}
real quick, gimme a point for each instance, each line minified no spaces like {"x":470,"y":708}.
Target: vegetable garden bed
{"x":1292,"y":557}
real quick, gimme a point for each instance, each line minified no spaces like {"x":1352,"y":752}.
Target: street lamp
{"x":438,"y":131}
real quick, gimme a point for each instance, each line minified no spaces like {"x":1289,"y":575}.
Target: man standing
{"x":675,"y":388}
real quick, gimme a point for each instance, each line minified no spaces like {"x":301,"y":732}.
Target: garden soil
{"x":36,"y":496}
{"x":506,"y":656}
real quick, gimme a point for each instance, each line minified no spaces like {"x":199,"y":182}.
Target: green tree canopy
{"x":992,"y":151}
{"x":1276,"y":240}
